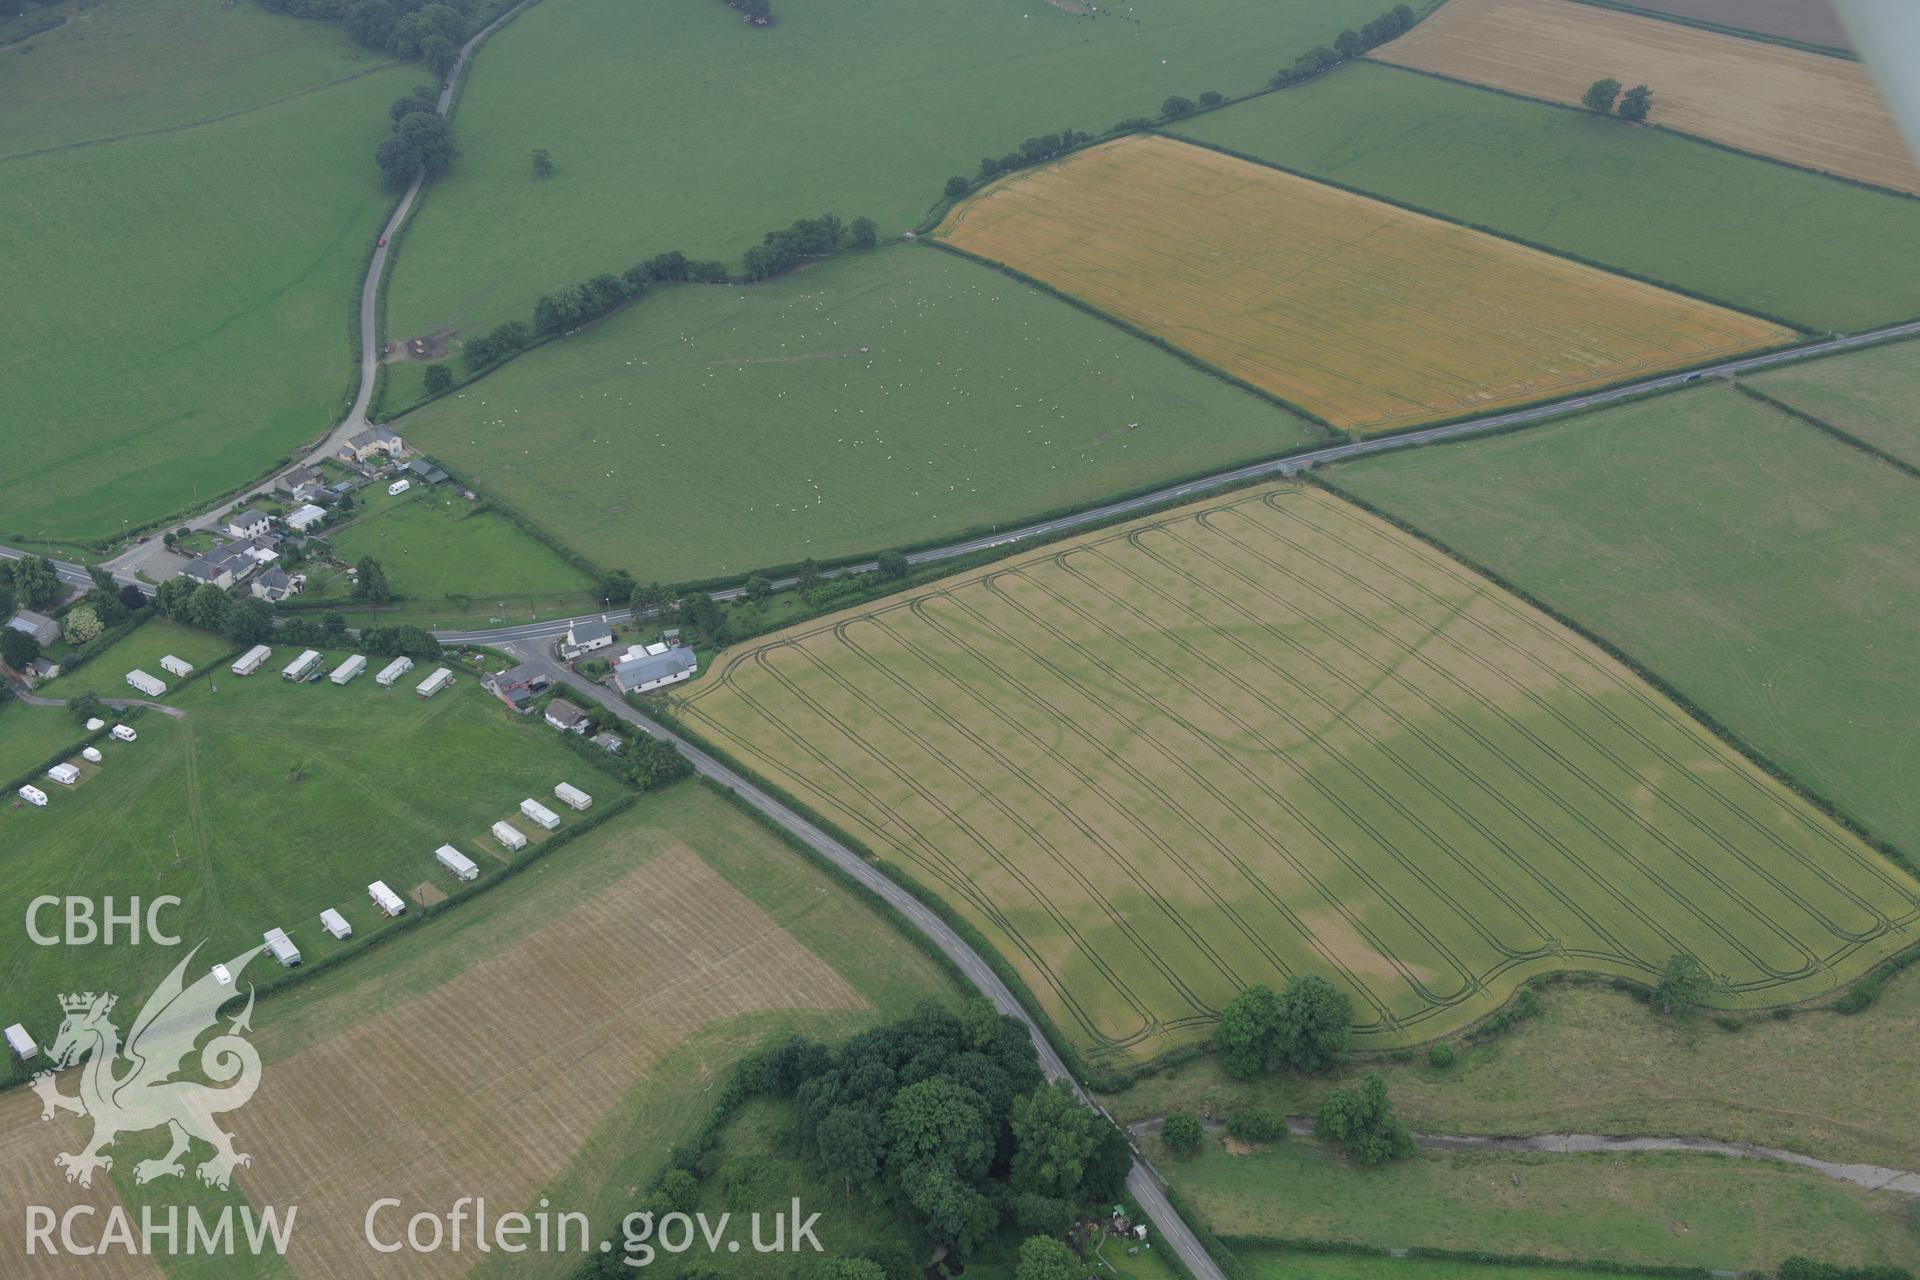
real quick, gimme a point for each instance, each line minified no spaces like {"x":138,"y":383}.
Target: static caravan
{"x":302,"y":667}
{"x":457,"y":862}
{"x":386,"y":899}
{"x":282,"y":947}
{"x":64,"y":774}
{"x":572,"y":796}
{"x":393,"y":671}
{"x":434,"y":683}
{"x":252,"y":660}
{"x":349,"y":669}
{"x":509,"y":836}
{"x":91,"y":755}
{"x":19,"y":1043}
{"x":336,"y":924}
{"x":539,"y":813}
{"x":176,"y":666}
{"x":125,"y":734}
{"x":145,"y":683}
{"x":34,"y":796}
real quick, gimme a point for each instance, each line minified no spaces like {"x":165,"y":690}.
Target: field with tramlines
{"x":1271,"y":735}
{"x":1805,"y":108}
{"x":1368,"y":315}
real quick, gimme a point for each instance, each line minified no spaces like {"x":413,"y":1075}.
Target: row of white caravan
{"x":68,"y":775}
{"x":303,"y":667}
{"x":153,"y":686}
{"x":514,"y":840}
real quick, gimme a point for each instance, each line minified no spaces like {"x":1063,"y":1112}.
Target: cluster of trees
{"x":1360,"y":1120}
{"x":1307,"y":1026}
{"x":203,"y":605}
{"x":1178,"y":107}
{"x":806,"y":238}
{"x":1032,"y":151}
{"x":574,"y":305}
{"x":948,"y":1117}
{"x":421,"y":138}
{"x":1632,"y":106}
{"x":1349,"y":44}
{"x":370,"y":585}
{"x":31,"y":583}
{"x":427,"y":30}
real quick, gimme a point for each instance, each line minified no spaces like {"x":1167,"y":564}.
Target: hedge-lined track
{"x":1369,"y":315}
{"x":1273,"y":734}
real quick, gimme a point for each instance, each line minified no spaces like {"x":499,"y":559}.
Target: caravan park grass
{"x":1365,"y":314}
{"x":162,"y":348}
{"x":29,"y":736}
{"x":1871,"y":395}
{"x":678,"y":127}
{"x":263,"y":803}
{"x":141,"y":648}
{"x":1665,"y":1209}
{"x":864,"y":402}
{"x":1272,"y":734}
{"x":1754,"y":235}
{"x":1804,"y":108}
{"x":445,"y":555}
{"x":1764,"y":569}
{"x":683,"y":935}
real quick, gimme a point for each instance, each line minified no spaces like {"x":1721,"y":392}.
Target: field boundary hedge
{"x":1893,"y":853}
{"x":1486,"y":1257}
{"x":1827,"y":428}
{"x":1666,"y":129}
{"x":1566,"y":255}
{"x":1718,"y":28}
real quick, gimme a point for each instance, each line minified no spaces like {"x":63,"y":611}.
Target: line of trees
{"x":421,"y":138}
{"x":1042,"y":147}
{"x":806,"y":238}
{"x":1632,"y":106}
{"x":429,"y":31}
{"x":574,"y":305}
{"x":1349,"y":44}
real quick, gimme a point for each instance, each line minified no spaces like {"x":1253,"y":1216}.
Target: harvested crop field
{"x":1809,"y":21}
{"x":1367,"y":315}
{"x":1805,"y":108}
{"x":1271,"y":735}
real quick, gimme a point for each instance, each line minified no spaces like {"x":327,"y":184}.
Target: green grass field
{"x":441,"y":553}
{"x":30,"y":735}
{"x":265,"y":802}
{"x":1870,"y":395}
{"x":1765,"y":569}
{"x":142,"y":648}
{"x":676,"y":127}
{"x":1669,"y":1209}
{"x":1754,"y":235}
{"x":1272,"y":734}
{"x":866,"y":402}
{"x":171,"y":346}
{"x":1771,"y":1082}
{"x":140,"y":66}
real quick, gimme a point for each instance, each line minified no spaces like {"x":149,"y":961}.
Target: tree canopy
{"x":1360,"y":1120}
{"x":1600,"y":95}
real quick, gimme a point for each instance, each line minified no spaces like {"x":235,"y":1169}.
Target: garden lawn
{"x":1758,"y":236}
{"x":1871,"y":395}
{"x":679,"y":127}
{"x":165,"y":348}
{"x":142,"y":648}
{"x":1766,"y":570}
{"x":1668,"y":1209}
{"x":872,"y":400}
{"x":441,"y":552}
{"x":265,"y":802}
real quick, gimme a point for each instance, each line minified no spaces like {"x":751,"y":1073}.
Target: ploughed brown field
{"x":1805,"y":108}
{"x":1371,"y":316}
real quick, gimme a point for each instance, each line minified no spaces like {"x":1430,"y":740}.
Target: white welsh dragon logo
{"x":130,"y":1089}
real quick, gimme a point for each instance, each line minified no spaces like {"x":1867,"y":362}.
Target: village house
{"x":653,"y":667}
{"x":274,"y":585}
{"x":372,"y":443}
{"x":585,"y":637}
{"x":566,"y":717}
{"x":249,"y":524}
{"x":516,"y":686}
{"x":37,"y":625}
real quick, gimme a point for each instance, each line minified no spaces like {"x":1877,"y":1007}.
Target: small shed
{"x":393,"y":671}
{"x":434,"y":683}
{"x":176,"y":666}
{"x":124,"y":734}
{"x":91,"y":755}
{"x":252,"y":660}
{"x":19,"y":1043}
{"x":34,"y":796}
{"x":336,"y":924}
{"x":387,"y":900}
{"x":64,"y":774}
{"x":540,"y":814}
{"x":303,"y":666}
{"x":510,"y":836}
{"x":145,"y":683}
{"x":572,"y":796}
{"x":282,"y":947}
{"x":457,"y":862}
{"x":349,"y":669}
